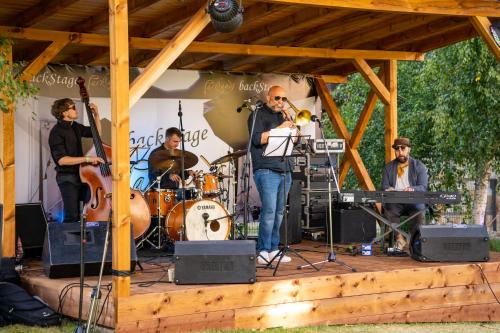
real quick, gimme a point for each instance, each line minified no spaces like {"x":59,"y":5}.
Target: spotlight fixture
{"x":226,"y":15}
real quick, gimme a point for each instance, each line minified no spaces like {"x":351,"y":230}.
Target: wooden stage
{"x":384,"y":290}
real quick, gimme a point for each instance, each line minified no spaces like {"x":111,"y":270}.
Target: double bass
{"x":98,"y":178}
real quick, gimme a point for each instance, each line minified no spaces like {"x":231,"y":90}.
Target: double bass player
{"x":65,"y":141}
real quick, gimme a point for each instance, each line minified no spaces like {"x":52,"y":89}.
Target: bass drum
{"x":139,"y":213}
{"x":215,"y":225}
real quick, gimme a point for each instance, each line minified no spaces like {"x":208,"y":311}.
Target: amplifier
{"x":334,"y":145}
{"x":203,"y":262}
{"x":450,"y":242}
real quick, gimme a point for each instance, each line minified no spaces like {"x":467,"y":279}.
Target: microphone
{"x":205,"y":217}
{"x":245,"y":105}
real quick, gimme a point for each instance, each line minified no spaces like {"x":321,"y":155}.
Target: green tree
{"x":448,"y":105}
{"x":11,"y":86}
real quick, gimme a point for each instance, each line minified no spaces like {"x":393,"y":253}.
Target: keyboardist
{"x":404,"y":173}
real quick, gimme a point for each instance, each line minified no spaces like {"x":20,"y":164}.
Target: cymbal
{"x":230,"y":157}
{"x":164,"y":159}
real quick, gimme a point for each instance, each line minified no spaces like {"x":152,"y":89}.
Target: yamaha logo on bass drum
{"x":205,"y":207}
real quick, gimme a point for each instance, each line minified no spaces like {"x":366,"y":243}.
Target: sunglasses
{"x":277,"y":98}
{"x":399,"y":148}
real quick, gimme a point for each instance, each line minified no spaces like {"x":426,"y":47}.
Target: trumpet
{"x":302,"y":117}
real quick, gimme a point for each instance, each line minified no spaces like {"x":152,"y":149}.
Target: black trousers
{"x":394,"y":211}
{"x":72,"y":193}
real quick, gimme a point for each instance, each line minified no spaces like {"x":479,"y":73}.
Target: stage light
{"x":226,"y":15}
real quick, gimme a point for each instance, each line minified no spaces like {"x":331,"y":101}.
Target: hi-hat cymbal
{"x":171,"y":158}
{"x":230,"y":157}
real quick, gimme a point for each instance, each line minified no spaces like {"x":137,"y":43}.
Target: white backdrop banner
{"x":208,"y":101}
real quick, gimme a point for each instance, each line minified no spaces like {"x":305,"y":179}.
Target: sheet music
{"x":277,"y":141}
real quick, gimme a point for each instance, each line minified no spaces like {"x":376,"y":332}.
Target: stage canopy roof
{"x":325,"y":35}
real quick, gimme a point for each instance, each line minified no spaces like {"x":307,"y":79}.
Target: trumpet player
{"x":270,"y":173}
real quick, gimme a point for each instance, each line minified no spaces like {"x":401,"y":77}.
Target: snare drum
{"x":165,"y":198}
{"x":214,"y":225}
{"x":208,"y":184}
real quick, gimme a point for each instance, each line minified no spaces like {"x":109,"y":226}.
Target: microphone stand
{"x":80,"y":328}
{"x":183,"y":229}
{"x":332,"y":257}
{"x":246,"y":172}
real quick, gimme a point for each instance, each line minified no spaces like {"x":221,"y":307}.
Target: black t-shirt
{"x":65,"y":139}
{"x":265,"y":121}
{"x":165,"y":181}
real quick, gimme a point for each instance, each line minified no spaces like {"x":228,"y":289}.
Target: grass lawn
{"x":69,"y":326}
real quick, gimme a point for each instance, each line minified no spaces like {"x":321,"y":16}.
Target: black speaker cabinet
{"x":294,"y":217}
{"x":353,"y":225}
{"x":1,"y":230}
{"x":203,"y":262}
{"x":61,"y":250}
{"x":451,"y":242}
{"x":31,"y":224}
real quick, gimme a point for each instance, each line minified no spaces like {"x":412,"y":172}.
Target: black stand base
{"x":282,"y":252}
{"x":332,"y":257}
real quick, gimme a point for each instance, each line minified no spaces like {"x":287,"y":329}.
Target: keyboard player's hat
{"x":401,"y":141}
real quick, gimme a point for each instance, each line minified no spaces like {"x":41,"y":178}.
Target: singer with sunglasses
{"x":65,"y":141}
{"x":404,"y":173}
{"x":268,"y":172}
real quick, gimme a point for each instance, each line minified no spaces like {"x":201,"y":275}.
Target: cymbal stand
{"x":158,"y":228}
{"x":183,"y":177}
{"x":331,"y":257}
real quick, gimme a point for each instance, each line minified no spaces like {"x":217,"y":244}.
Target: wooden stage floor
{"x":383,"y":290}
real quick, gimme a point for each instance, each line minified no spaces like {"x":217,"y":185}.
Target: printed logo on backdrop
{"x":141,"y":147}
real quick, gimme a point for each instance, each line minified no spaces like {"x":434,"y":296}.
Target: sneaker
{"x":273,"y":254}
{"x":263,"y":258}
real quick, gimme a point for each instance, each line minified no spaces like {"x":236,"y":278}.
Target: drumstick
{"x":205,"y":160}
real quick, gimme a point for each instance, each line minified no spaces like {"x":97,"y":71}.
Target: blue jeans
{"x":270,"y":186}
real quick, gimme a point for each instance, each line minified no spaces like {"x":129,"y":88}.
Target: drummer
{"x":170,"y":180}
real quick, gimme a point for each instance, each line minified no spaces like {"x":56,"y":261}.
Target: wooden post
{"x":119,"y":61}
{"x":7,"y":170}
{"x":391,"y":109}
{"x":340,"y":128}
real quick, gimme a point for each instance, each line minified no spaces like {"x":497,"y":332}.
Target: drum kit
{"x":206,"y":218}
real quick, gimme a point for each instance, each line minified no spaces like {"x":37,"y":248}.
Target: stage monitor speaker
{"x":204,"y":262}
{"x":450,"y":242}
{"x":61,"y":250}
{"x":353,"y":225}
{"x":294,"y":218}
{"x":31,"y":224}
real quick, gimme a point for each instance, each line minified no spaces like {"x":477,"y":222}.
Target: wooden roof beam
{"x":100,"y":20}
{"x":450,"y":7}
{"x":209,"y":47}
{"x":258,"y":11}
{"x":43,"y":59}
{"x":168,"y":54}
{"x":372,"y":79}
{"x":482,"y":25}
{"x":41,"y":11}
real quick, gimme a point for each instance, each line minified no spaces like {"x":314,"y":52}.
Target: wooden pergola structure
{"x":324,"y":38}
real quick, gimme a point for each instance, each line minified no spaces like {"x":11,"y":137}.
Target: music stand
{"x":331,"y":256}
{"x":282,"y":146}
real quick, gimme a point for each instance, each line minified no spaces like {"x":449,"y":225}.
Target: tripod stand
{"x":331,"y":257}
{"x":158,"y":228}
{"x":275,"y":151}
